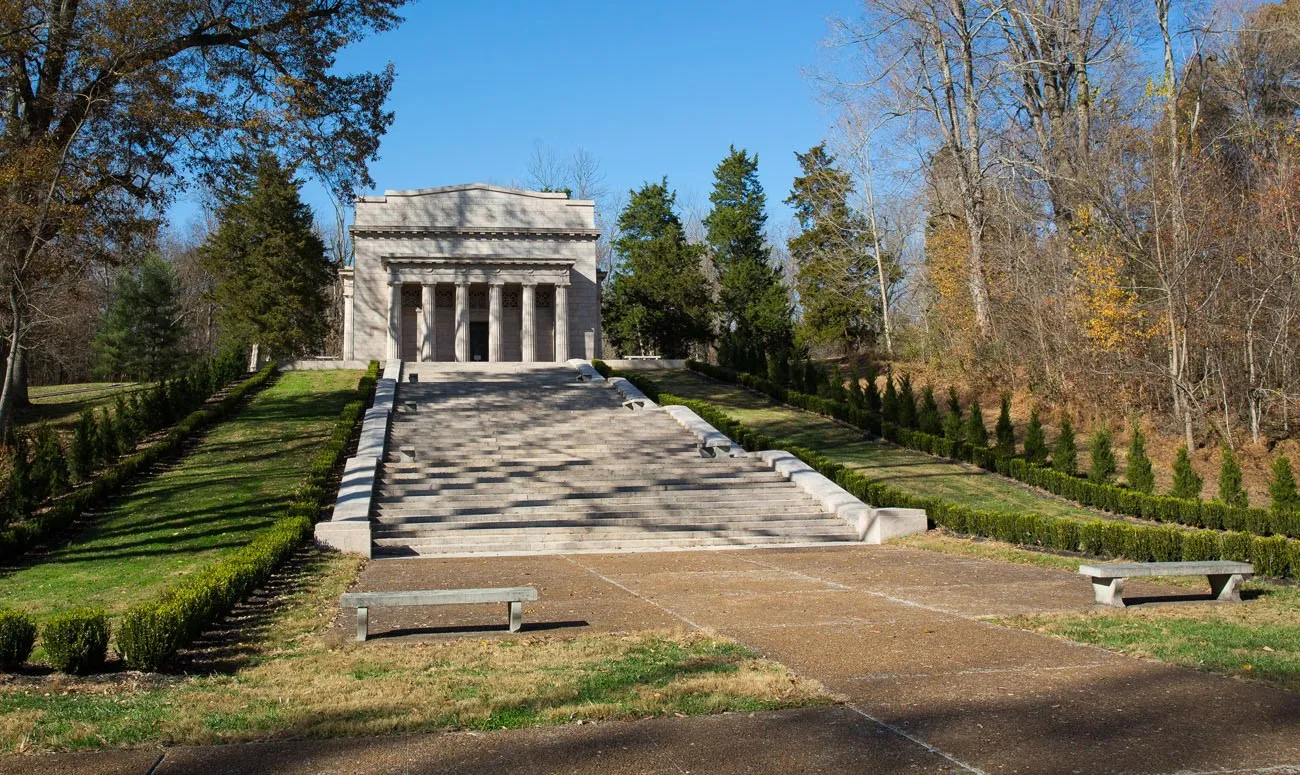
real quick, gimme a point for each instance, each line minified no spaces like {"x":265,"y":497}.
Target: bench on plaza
{"x":1226,"y":577}
{"x":513,"y":597}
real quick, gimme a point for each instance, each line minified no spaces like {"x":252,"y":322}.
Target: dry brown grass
{"x":298,"y":683}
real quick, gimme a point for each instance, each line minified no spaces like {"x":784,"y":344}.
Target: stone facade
{"x":472,"y":273}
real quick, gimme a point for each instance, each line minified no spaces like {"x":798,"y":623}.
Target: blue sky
{"x":649,"y":89}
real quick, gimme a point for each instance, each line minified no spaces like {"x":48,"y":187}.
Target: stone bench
{"x":1226,"y":577}
{"x":513,"y":597}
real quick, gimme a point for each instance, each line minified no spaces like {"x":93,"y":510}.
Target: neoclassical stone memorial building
{"x":472,"y":273}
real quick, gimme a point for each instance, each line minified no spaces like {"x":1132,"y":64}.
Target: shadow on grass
{"x":416,"y":632}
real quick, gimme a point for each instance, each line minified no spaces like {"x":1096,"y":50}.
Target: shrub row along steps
{"x":534,"y":462}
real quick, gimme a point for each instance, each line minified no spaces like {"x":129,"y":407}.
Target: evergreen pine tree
{"x":1004,"y":431}
{"x":754,"y":304}
{"x":1035,"y":440}
{"x":1137,"y":469}
{"x":1187,"y":483}
{"x":81,"y":455}
{"x":871,"y":394}
{"x":1103,"y":465}
{"x":1065,"y":456}
{"x":889,"y":403}
{"x":1282,"y":489}
{"x":835,"y":272}
{"x":271,"y":274}
{"x":928,"y":419}
{"x":977,"y":435}
{"x":1231,"y":491}
{"x":49,"y":465}
{"x":857,"y":399}
{"x":907,"y":414}
{"x":142,"y":333}
{"x":952,"y":421}
{"x":105,"y":437}
{"x":20,"y":496}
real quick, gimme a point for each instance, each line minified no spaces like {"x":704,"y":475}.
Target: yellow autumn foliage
{"x":1108,"y":311}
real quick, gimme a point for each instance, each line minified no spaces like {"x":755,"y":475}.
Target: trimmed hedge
{"x":17,"y":538}
{"x":152,"y":632}
{"x":76,"y":641}
{"x":1105,"y":497}
{"x":1275,"y":556}
{"x":602,"y":367}
{"x":17,"y":636}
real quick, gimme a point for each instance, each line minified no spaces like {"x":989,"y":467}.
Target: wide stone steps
{"x":516,"y":544}
{"x":534,"y":463}
{"x":692,"y":512}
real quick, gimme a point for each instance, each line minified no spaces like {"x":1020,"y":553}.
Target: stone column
{"x":394,"y":320}
{"x":527,"y":336}
{"x":426,"y":322}
{"x":349,"y":323}
{"x":561,"y":323}
{"x":462,"y":322}
{"x":494,"y":323}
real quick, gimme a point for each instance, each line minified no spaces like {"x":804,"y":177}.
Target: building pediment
{"x":475,"y":211}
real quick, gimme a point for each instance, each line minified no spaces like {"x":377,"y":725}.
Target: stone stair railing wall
{"x":348,"y":529}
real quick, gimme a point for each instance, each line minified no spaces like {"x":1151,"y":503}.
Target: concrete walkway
{"x":929,"y":687}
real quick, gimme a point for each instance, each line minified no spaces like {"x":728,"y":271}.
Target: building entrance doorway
{"x":478,"y":341}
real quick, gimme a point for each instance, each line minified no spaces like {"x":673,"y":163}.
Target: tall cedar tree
{"x":271,"y":273}
{"x":928,"y":415}
{"x":1102,"y":467}
{"x":1230,"y":490}
{"x":1137,"y":469}
{"x":1065,"y":456}
{"x":1187,"y":483}
{"x":755,"y":310}
{"x":1004,"y":431}
{"x":141,"y":336}
{"x":1035,"y":439}
{"x":952,"y":426}
{"x":1282,"y":489}
{"x":870,"y":393}
{"x":111,"y":105}
{"x":658,"y":301}
{"x":977,"y":435}
{"x":856,"y":396}
{"x":889,"y":402}
{"x":834,"y":272}
{"x":906,"y":402}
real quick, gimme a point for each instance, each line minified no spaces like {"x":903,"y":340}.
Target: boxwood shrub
{"x":76,"y":641}
{"x":17,"y":636}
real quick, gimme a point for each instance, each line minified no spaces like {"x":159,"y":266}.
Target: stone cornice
{"x":488,"y":232}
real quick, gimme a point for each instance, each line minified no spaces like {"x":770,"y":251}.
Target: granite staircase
{"x":527,"y":460}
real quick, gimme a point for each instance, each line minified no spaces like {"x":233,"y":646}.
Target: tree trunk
{"x":12,"y":360}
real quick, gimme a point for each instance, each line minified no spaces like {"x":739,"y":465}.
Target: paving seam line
{"x":900,"y":732}
{"x":157,"y":763}
{"x":633,"y":593}
{"x":909,"y":736}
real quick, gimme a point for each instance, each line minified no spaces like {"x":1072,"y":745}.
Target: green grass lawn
{"x":232,"y":484}
{"x":59,"y":405}
{"x":914,"y":472}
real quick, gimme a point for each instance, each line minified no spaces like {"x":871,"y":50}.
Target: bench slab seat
{"x":513,"y":597}
{"x":1226,"y":577}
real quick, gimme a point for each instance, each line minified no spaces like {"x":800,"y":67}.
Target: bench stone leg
{"x":1226,"y":587}
{"x":363,"y":622}
{"x":1108,"y":591}
{"x":516,"y":612}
